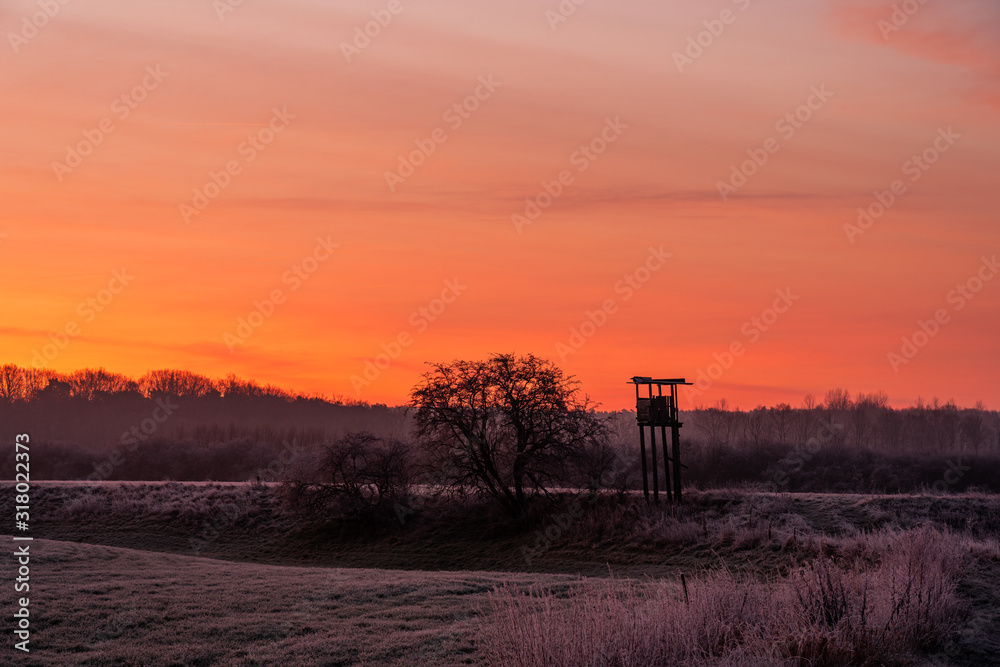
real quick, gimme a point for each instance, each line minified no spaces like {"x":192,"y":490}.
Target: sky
{"x":773,"y":198}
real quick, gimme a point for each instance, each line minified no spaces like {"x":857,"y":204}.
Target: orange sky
{"x":673,"y":127}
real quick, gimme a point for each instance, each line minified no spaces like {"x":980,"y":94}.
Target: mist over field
{"x":180,"y":426}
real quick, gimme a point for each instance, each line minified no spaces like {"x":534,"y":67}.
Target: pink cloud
{"x":965,"y":34}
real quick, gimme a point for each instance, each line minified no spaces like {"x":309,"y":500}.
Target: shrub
{"x":361,"y":476}
{"x":823,"y":614}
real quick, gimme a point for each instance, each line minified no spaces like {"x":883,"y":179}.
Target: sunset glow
{"x":780,"y":197}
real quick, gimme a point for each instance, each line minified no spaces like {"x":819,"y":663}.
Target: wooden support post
{"x":666,"y":456}
{"x":676,"y":437}
{"x":666,"y":464}
{"x":652,"y":447}
{"x":642,"y":448}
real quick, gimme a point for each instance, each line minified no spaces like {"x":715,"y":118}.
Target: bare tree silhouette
{"x":507,"y":427}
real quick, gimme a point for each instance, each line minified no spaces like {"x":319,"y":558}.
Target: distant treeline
{"x":863,"y":422}
{"x":839,"y":444}
{"x":99,"y":385}
{"x":172,"y":424}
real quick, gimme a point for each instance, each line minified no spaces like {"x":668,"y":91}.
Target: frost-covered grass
{"x":806,"y":579}
{"x":888,"y":600}
{"x":97,"y":605}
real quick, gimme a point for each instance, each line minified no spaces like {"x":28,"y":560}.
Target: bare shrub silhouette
{"x":361,"y":476}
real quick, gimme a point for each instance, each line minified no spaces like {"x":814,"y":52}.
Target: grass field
{"x":97,"y":605}
{"x":122,"y":577}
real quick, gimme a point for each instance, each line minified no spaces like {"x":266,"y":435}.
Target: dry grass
{"x":893,"y":602}
{"x":772,"y":579}
{"x":97,"y":605}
